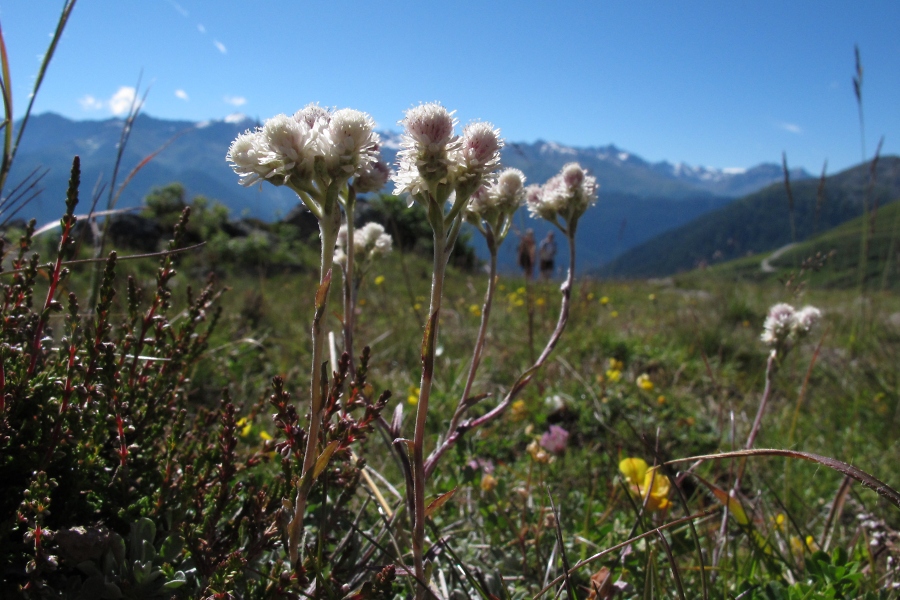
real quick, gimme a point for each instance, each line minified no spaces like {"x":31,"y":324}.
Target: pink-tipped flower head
{"x":430,"y":126}
{"x":778,"y":324}
{"x":805,"y":319}
{"x":567,"y":195}
{"x":427,"y":142}
{"x":502,"y":197}
{"x":477,"y":156}
{"x":784,"y":325}
{"x":349,"y":143}
{"x":510,"y":189}
{"x":373,"y":178}
{"x":573,"y":175}
{"x":314,"y":116}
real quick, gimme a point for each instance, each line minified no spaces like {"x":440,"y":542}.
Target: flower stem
{"x":349,"y":287}
{"x":328,"y":230}
{"x":525,"y":378}
{"x":476,"y":354}
{"x":428,"y":346}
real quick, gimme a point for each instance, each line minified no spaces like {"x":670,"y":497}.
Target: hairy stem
{"x":476,"y":354}
{"x":428,"y":346}
{"x":349,"y":287}
{"x":328,"y":230}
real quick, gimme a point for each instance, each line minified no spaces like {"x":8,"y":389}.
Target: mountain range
{"x":639,"y":199}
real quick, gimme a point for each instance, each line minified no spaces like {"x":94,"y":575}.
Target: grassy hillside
{"x":761,"y":222}
{"x":832,"y":259}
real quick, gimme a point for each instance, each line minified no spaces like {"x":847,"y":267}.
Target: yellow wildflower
{"x":521,"y":290}
{"x":661,"y":400}
{"x":417,"y":306}
{"x":413,"y":397}
{"x":488,"y":482}
{"x":265,"y":436}
{"x":614,"y":314}
{"x":643,"y":382}
{"x":517,"y":411}
{"x":799,"y":546}
{"x":379,"y":279}
{"x":652,"y":297}
{"x":651,"y":486}
{"x":590,"y":296}
{"x":616,"y":365}
{"x":475,"y":310}
{"x":520,"y":302}
{"x":613,"y":375}
{"x":540,"y":302}
{"x":778,"y":521}
{"x":604,"y":300}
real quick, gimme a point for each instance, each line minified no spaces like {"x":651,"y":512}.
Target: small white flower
{"x":244,"y":154}
{"x":567,"y":194}
{"x":373,"y":178}
{"x":805,"y":319}
{"x":510,"y":186}
{"x":784,"y":324}
{"x":370,"y":232}
{"x":350,"y":143}
{"x":369,"y":242}
{"x":383,"y":245}
{"x":778,"y":324}
{"x":290,"y":148}
{"x":502,"y":197}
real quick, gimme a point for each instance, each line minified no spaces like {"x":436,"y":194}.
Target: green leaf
{"x":179,"y":580}
{"x":171,"y":547}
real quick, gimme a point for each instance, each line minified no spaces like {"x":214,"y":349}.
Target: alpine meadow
{"x":302,"y":356}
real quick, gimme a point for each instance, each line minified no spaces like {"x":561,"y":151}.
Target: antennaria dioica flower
{"x":327,"y":158}
{"x":437,"y":168}
{"x":315,"y":152}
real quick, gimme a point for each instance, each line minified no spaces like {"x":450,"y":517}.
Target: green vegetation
{"x":697,"y":342}
{"x":829,"y":260}
{"x":762,"y":222}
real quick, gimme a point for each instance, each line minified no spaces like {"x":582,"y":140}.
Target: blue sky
{"x":723,"y":84}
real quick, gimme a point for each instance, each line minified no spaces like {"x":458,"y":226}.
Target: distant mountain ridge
{"x":634,"y":192}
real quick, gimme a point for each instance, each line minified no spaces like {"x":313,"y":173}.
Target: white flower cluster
{"x":369,"y":243}
{"x":288,"y":150}
{"x":784,"y":323}
{"x":432,"y":155}
{"x":501,"y":197}
{"x":567,"y":194}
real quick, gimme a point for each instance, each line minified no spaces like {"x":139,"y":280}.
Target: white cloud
{"x":201,"y":28}
{"x":791,"y":128}
{"x":88,"y":102}
{"x":181,"y":95}
{"x":179,"y":8}
{"x":121,"y":101}
{"x":235,"y":100}
{"x":220,"y":46}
